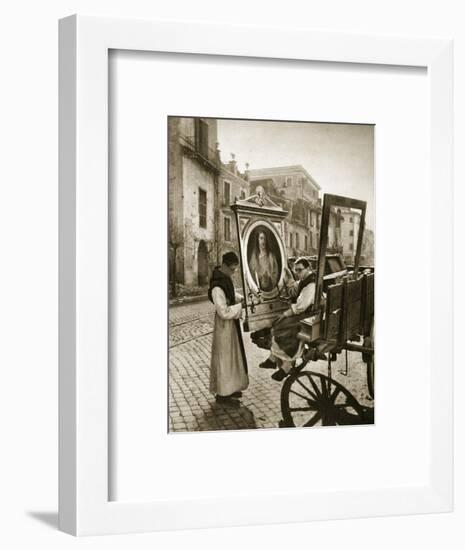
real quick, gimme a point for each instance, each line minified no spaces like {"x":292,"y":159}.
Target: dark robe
{"x":285,"y":332}
{"x":226,"y":284}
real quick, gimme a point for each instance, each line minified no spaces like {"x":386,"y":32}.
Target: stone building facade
{"x":334,"y":232}
{"x":344,"y":228}
{"x":194,"y":168}
{"x":201,"y":190}
{"x":350,"y":226}
{"x":296,"y":190}
{"x":232,"y":185}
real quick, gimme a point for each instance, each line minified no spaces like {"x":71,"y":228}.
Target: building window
{"x":318,"y":221}
{"x":227,"y":229}
{"x":312,"y":218}
{"x":351,"y":220}
{"x":288,"y":181}
{"x":242,"y":195}
{"x":291,"y":240}
{"x":306,"y":243}
{"x":227,"y":193}
{"x":351,"y":246}
{"x":297,"y":243}
{"x":202,"y":208}
{"x":201,"y":137}
{"x":351,"y":232}
{"x":311,"y":240}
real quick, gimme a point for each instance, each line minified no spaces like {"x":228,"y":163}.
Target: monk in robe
{"x":285,"y":346}
{"x":228,"y":369}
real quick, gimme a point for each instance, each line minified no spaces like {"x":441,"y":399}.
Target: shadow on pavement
{"x":344,"y":418}
{"x":226,"y":418}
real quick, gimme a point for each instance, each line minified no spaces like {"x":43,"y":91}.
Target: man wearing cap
{"x":286,"y":347}
{"x":228,"y":369}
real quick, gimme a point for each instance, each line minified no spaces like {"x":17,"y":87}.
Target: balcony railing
{"x":206,"y":155}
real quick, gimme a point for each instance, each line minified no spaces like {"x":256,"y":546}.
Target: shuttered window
{"x":227,"y":193}
{"x":227,"y":229}
{"x":201,"y":137}
{"x":202,"y":208}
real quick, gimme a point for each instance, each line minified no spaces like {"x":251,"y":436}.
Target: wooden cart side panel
{"x":368,"y":303}
{"x":333,"y":316}
{"x":352,"y":308}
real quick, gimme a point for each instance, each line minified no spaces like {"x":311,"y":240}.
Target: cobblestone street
{"x":193,"y":408}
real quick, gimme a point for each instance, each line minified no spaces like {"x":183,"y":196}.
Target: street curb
{"x":187,"y":300}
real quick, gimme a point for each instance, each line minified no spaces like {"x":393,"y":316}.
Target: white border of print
{"x":84,"y":46}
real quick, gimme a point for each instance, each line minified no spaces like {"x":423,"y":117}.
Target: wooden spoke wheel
{"x":312,"y":399}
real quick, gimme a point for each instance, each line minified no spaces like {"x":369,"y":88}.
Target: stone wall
{"x":175,"y":202}
{"x":196,"y":177}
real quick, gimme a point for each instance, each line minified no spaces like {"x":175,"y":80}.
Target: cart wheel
{"x":311,"y":399}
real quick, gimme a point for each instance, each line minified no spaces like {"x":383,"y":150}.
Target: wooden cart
{"x":342,"y":317}
{"x":341,"y":320}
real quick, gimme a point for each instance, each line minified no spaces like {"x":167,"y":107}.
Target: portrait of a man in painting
{"x":264,"y":258}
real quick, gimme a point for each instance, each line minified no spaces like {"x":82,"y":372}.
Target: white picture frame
{"x":84,"y":506}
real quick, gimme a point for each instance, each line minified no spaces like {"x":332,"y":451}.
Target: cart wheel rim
{"x":312,"y":399}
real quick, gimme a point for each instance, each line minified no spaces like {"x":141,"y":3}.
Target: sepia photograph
{"x":271,"y":274}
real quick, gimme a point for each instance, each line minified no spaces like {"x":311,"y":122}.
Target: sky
{"x":339,"y":157}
